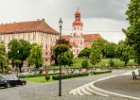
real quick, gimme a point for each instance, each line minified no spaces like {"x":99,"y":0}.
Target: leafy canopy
{"x":133,"y":31}
{"x":35,"y":57}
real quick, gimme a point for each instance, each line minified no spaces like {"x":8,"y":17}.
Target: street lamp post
{"x":60,"y":76}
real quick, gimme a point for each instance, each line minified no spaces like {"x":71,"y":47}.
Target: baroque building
{"x":33,"y":31}
{"x":77,"y":39}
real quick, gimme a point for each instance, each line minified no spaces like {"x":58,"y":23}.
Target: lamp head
{"x":60,"y":22}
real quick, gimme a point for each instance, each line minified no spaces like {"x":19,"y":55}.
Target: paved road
{"x":121,"y":84}
{"x":49,"y":91}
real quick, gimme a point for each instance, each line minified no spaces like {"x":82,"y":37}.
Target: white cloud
{"x":97,"y":15}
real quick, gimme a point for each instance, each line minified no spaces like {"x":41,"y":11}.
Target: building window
{"x":34,"y":36}
{"x":29,"y":36}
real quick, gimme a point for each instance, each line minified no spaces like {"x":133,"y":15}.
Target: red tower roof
{"x":77,"y":13}
{"x":77,"y":21}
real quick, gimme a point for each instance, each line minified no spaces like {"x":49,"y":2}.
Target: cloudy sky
{"x":98,"y":16}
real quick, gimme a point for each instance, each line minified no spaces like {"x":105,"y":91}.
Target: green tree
{"x":125,"y":57}
{"x":3,"y":57}
{"x":111,"y":63}
{"x":65,"y":58}
{"x":120,"y":48}
{"x":85,"y":64}
{"x":97,"y":51}
{"x":18,"y":50}
{"x":133,"y":31}
{"x":59,"y":49}
{"x":95,"y":57}
{"x":85,"y":53}
{"x":99,"y":45}
{"x":124,"y":51}
{"x":35,"y":57}
{"x":110,"y":50}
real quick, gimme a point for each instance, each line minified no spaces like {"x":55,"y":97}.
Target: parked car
{"x":10,"y":80}
{"x":4,"y":83}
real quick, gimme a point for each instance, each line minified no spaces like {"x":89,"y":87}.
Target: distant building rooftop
{"x":30,"y":26}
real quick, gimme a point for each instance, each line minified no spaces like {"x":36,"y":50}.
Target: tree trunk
{"x":20,"y":66}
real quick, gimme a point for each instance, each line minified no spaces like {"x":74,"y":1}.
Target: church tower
{"x":77,"y":39}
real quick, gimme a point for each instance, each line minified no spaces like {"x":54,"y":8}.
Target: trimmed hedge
{"x":101,"y":72}
{"x":65,"y":76}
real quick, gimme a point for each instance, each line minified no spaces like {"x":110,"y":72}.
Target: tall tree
{"x":99,"y":45}
{"x":58,"y":50}
{"x":97,"y":50}
{"x":65,"y":58}
{"x":133,"y":31}
{"x":19,"y":51}
{"x":110,"y":50}
{"x":3,"y":57}
{"x":35,"y":57}
{"x":95,"y":57}
{"x":124,"y":51}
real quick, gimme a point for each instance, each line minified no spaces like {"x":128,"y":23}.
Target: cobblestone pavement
{"x":49,"y":91}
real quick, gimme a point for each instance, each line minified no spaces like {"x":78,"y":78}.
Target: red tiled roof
{"x":73,"y":44}
{"x":91,"y":37}
{"x":30,"y":26}
{"x":66,"y":37}
{"x":87,"y":38}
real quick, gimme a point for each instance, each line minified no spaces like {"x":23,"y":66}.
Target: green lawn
{"x":36,"y":79}
{"x":103,"y":63}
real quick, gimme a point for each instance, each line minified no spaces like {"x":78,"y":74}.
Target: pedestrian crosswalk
{"x":88,"y":89}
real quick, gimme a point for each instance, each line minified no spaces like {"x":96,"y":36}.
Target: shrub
{"x":85,"y":64}
{"x":101,"y":72}
{"x":56,"y":77}
{"x":47,"y":77}
{"x":111,"y":63}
